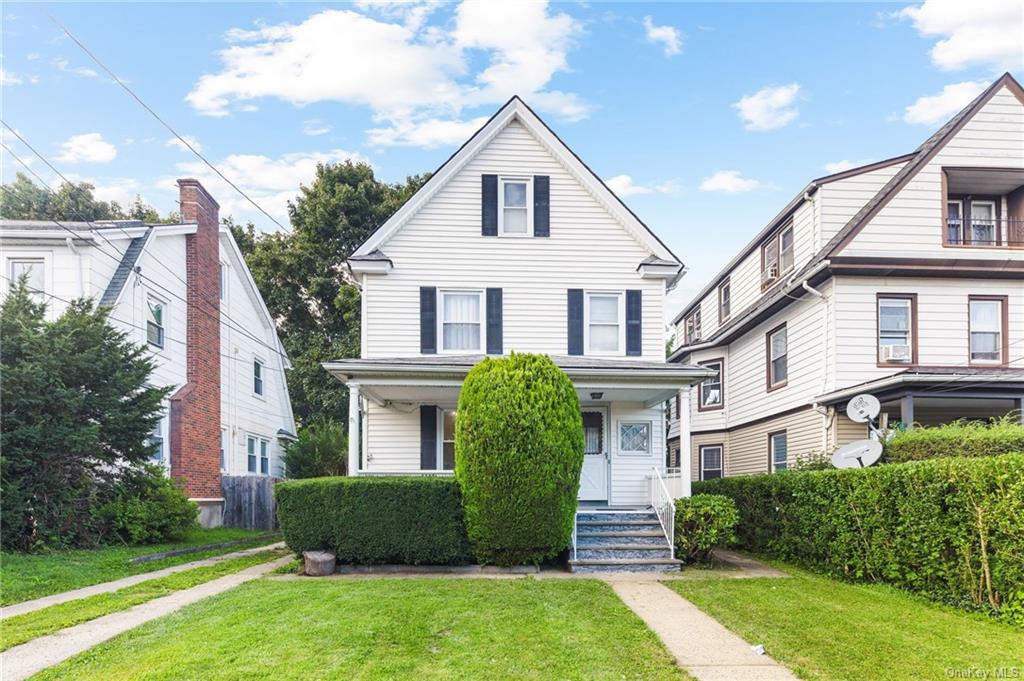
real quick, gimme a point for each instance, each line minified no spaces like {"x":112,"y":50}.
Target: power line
{"x":164,"y":123}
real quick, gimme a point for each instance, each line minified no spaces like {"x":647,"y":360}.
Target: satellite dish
{"x":863,"y":408}
{"x":859,"y":454}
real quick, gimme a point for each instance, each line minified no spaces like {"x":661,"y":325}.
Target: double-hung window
{"x":155,"y":322}
{"x":710,"y":462}
{"x":257,"y":377}
{"x":711,"y":394}
{"x":983,"y":223}
{"x":692,"y":327}
{"x":777,"y":255}
{"x":724,"y":302}
{"x":954,"y":222}
{"x":156,"y":440}
{"x":778,"y":357}
{"x":777,"y":451}
{"x":987,"y":329}
{"x":460,"y":321}
{"x":223,"y":449}
{"x":635,"y":438}
{"x":257,"y":451}
{"x":605,"y":329}
{"x":34,"y":271}
{"x":896,"y":321}
{"x":514,"y":212}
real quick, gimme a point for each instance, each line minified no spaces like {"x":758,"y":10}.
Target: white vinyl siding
{"x":441,"y":246}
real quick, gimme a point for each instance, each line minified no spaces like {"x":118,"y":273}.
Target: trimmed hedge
{"x":961,"y":438}
{"x":951,"y":529}
{"x":373,"y":521}
{"x":703,"y":522}
{"x":519,"y":450}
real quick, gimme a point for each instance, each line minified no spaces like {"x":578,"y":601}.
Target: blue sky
{"x":707,"y":118}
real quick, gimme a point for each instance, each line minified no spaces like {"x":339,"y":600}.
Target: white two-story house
{"x":185,"y":293}
{"x":903,"y":279}
{"x":514,"y":244}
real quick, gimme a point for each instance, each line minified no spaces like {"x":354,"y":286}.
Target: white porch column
{"x":685,"y":460}
{"x":354,"y":431}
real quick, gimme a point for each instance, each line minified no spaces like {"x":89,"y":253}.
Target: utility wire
{"x":164,"y":123}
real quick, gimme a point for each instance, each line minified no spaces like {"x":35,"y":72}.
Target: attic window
{"x":514,"y":217}
{"x":777,"y":256}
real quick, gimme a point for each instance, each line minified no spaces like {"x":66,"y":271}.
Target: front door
{"x":594,"y":476}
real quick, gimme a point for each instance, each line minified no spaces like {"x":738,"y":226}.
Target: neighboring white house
{"x":902,"y":278}
{"x":145,"y":274}
{"x":513,"y":245}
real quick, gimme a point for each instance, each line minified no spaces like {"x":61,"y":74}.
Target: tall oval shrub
{"x":519,"y":450}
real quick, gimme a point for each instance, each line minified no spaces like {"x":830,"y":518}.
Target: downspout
{"x":81,"y":273}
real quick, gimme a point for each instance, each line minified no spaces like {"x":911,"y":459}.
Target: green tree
{"x":321,"y":450}
{"x":305,"y":284}
{"x":76,"y":418}
{"x":23,"y":199}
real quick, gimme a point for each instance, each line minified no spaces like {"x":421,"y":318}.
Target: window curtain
{"x":461,"y":321}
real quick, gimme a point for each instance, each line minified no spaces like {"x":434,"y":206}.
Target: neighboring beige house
{"x":902,"y":279}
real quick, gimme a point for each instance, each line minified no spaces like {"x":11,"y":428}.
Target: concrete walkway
{"x":107,"y":587}
{"x":23,"y":661}
{"x":701,"y":645}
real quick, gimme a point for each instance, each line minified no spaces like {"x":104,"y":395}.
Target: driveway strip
{"x":23,"y":661}
{"x":701,"y":645}
{"x":107,"y":587}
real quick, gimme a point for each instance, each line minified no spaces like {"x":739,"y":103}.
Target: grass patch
{"x":32,"y":575}
{"x":17,"y":630}
{"x":826,"y":629}
{"x":291,"y":568}
{"x":389,"y":628}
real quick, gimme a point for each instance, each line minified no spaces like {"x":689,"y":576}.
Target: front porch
{"x":402,"y":413}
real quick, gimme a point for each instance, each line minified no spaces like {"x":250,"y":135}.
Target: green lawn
{"x":389,"y":628}
{"x":825,"y":629}
{"x":25,"y":576}
{"x":22,"y":628}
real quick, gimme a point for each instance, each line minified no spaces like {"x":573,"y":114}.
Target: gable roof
{"x":915,"y":161}
{"x":124,"y":268}
{"x":517,"y":109}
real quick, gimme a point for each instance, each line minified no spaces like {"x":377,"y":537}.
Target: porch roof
{"x":438,"y":378}
{"x":949,"y":381}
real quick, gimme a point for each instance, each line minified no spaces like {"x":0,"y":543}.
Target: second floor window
{"x":987,"y":329}
{"x":460,"y":321}
{"x":896,"y":329}
{"x":155,"y":322}
{"x":710,"y":395}
{"x":257,"y":377}
{"x":692,"y":327}
{"x":724,"y":301}
{"x":777,"y":255}
{"x":514,"y":213}
{"x":33,"y":269}
{"x":604,"y":323}
{"x":778,"y":358}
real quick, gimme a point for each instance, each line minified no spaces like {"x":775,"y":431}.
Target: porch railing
{"x":664,"y":506}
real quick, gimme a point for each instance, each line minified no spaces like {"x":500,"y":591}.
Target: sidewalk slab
{"x":23,"y":661}
{"x":107,"y":587}
{"x":701,"y":645}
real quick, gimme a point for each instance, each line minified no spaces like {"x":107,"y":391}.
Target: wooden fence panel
{"x":249,"y":501}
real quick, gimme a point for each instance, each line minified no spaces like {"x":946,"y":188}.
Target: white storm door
{"x":594,"y":476}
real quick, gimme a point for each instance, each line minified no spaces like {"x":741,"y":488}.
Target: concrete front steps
{"x":621,"y":541}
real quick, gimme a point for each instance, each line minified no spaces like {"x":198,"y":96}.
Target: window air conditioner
{"x":896,"y":353}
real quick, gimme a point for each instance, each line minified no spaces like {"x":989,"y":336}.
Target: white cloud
{"x":416,"y":78}
{"x":932,"y":109}
{"x":425,"y":133}
{"x":65,"y":66}
{"x":623,"y":186}
{"x":669,"y":36}
{"x":179,"y":145}
{"x":120,"y":189}
{"x":983,"y":32}
{"x":769,"y":108}
{"x":8,"y":78}
{"x":271,"y":182}
{"x":89,"y":147}
{"x":728,"y":182}
{"x":845,"y":164}
{"x":314,"y":127}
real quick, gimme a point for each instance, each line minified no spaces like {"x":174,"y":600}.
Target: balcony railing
{"x":1003,"y":232}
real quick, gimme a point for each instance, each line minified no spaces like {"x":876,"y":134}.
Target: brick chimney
{"x":195,"y":407}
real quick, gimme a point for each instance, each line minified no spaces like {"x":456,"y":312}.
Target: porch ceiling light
{"x":596,"y":396}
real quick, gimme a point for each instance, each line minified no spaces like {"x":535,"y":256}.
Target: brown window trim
{"x":1004,"y":331}
{"x":694,"y":336}
{"x":769,"y":386}
{"x":912,"y":297}
{"x":777,"y":237}
{"x":700,"y":458}
{"x":723,"y":318}
{"x":771,"y":454}
{"x":721,"y":382}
